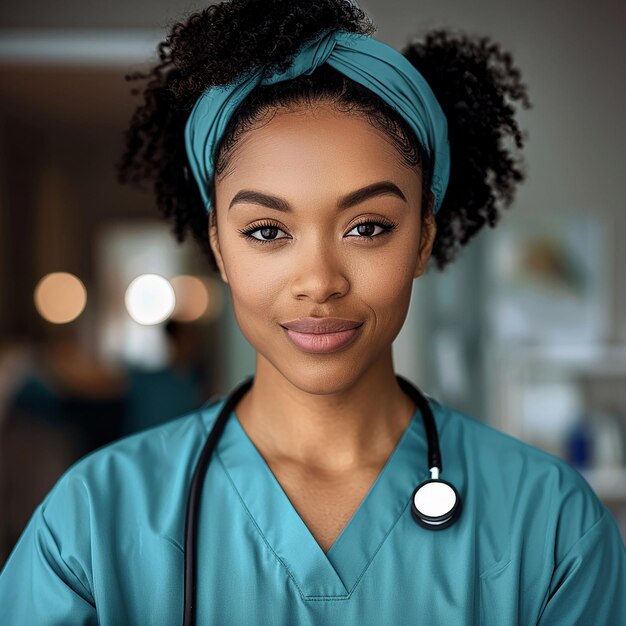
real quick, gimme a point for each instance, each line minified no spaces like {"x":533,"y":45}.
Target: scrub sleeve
{"x":46,"y":580}
{"x":588,"y":585}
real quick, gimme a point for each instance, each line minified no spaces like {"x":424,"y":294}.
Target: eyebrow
{"x":384,"y":187}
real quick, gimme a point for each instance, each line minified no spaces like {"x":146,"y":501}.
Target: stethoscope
{"x":435,"y":503}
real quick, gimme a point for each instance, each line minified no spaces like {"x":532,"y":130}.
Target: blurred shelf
{"x":609,"y":483}
{"x":605,"y":360}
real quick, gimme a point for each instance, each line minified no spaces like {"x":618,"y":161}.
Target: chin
{"x":322,"y":379}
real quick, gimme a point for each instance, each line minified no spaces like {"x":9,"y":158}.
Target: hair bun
{"x":229,"y":39}
{"x":476,"y":83}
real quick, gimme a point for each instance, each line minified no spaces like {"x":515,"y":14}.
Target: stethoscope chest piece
{"x":435,"y":504}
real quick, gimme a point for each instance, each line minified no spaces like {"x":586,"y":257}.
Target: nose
{"x":318,"y":271}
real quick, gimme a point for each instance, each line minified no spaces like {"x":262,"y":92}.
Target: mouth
{"x":321,"y":325}
{"x":321,"y":343}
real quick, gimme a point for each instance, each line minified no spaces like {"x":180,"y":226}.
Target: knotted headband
{"x":370,"y":62}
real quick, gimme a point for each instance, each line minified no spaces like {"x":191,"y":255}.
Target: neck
{"x":331,"y":427}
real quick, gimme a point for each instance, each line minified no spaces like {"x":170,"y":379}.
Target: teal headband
{"x":374,"y":64}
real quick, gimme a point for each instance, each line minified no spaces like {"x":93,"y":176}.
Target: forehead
{"x":313,"y":144}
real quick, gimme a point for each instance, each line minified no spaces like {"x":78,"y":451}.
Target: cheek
{"x":387,"y":291}
{"x":254,"y":290}
{"x":387,"y":275}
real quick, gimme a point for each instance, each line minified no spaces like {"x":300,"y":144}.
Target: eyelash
{"x":387,"y":226}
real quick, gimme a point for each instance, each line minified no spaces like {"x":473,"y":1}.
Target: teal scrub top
{"x":533,"y":544}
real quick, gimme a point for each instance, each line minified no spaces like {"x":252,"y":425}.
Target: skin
{"x":333,"y":419}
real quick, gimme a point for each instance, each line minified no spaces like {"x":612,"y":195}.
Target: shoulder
{"x":517,"y":484}
{"x":501,"y":454}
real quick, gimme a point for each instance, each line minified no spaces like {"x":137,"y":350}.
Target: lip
{"x":319,"y":343}
{"x":320,"y":325}
{"x":321,"y":334}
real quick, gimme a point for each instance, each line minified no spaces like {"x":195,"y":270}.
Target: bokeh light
{"x":214,"y":288}
{"x":192,"y":298}
{"x":60,"y":297}
{"x":150,"y":299}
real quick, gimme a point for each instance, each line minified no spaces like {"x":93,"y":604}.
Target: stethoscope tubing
{"x":193,"y":501}
{"x":199,"y":473}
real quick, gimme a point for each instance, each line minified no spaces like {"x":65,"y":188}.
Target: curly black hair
{"x":473,"y":79}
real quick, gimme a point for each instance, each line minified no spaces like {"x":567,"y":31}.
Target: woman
{"x":313,"y":166}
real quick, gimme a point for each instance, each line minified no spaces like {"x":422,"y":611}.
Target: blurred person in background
{"x":57,"y":404}
{"x":158,"y":395}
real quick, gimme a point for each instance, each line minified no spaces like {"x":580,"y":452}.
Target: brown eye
{"x":367,"y":229}
{"x":267,"y":233}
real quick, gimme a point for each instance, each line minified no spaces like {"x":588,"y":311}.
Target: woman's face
{"x":312,"y":259}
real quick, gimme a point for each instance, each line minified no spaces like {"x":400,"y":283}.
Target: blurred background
{"x":109,"y":326}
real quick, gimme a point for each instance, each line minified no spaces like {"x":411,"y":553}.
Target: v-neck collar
{"x":336,"y":572}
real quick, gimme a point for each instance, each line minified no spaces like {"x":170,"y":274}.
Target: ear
{"x":428,"y":232}
{"x":215,"y":244}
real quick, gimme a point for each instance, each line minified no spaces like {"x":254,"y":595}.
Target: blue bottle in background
{"x":579,"y":444}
